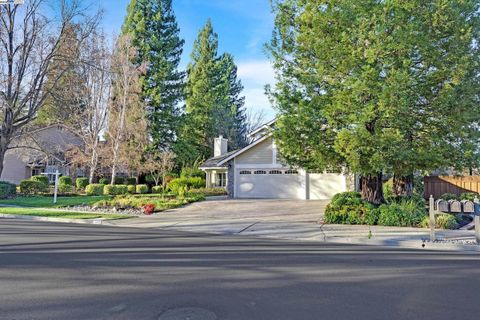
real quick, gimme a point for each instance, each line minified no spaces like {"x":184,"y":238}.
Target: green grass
{"x":47,"y":202}
{"x":59,"y":214}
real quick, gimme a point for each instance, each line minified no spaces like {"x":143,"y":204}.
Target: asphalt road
{"x":60,"y":271}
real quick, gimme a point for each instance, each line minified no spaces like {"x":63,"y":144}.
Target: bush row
{"x":114,"y":190}
{"x":181,"y":185}
{"x":349,"y":208}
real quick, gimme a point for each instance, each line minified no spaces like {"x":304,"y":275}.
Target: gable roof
{"x":215,"y":161}
{"x":265,"y":126}
{"x":239,"y":152}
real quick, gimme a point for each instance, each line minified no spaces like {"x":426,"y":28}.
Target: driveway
{"x":283,"y":218}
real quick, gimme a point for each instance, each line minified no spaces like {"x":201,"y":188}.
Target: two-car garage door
{"x":286,"y":184}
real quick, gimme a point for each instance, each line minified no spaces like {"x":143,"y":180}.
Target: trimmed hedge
{"x":81,"y":183}
{"x":116,"y":189}
{"x":184,"y":184}
{"x":65,"y":180}
{"x":33,"y":187}
{"x":349,"y":208}
{"x":94,"y":189}
{"x":142,"y":188}
{"x":40,"y":178}
{"x":131,"y":189}
{"x":208,"y":191}
{"x":7,"y":189}
{"x":103,"y":181}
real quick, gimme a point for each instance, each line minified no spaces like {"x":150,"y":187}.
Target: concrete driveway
{"x":278,"y":218}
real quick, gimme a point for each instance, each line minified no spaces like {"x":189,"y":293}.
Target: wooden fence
{"x":437,"y":186}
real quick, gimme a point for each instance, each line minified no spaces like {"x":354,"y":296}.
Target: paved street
{"x":65,"y":271}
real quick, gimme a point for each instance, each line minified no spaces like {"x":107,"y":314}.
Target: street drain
{"x":188,"y":314}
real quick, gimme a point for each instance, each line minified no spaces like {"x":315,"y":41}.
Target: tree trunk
{"x":93,"y":166}
{"x":3,"y":150}
{"x":372,"y":188}
{"x":403,"y":185}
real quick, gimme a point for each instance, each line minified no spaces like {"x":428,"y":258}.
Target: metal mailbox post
{"x":454,"y":207}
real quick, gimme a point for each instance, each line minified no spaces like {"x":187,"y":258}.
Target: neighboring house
{"x":257,"y":171}
{"x":40,"y":152}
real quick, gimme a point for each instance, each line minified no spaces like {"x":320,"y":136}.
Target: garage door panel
{"x":325,"y":186}
{"x":281,"y":186}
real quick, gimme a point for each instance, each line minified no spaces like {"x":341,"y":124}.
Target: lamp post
{"x":55,"y":192}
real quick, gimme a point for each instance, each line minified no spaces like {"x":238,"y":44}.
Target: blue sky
{"x":243,"y":27}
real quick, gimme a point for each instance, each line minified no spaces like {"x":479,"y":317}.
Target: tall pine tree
{"x":154,"y":31}
{"x":213,"y":103}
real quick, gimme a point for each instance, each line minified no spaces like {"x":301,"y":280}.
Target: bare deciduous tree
{"x":126,"y":115}
{"x":158,"y":164}
{"x":29,"y":43}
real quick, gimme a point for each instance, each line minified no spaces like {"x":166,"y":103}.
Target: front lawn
{"x":47,"y":202}
{"x":59,"y":214}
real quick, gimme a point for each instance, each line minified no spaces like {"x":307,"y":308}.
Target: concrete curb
{"x":62,"y":220}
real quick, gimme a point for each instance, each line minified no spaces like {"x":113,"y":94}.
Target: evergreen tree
{"x":154,"y":30}
{"x":213,"y":103}
{"x":377,"y":86}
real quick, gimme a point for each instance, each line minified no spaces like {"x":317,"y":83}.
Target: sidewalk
{"x":310,"y":231}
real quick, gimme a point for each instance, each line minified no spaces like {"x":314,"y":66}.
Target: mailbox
{"x":455,"y":206}
{"x":468,"y":206}
{"x":442,"y":205}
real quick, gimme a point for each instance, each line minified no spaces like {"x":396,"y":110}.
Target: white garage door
{"x":269,"y":183}
{"x":324,"y":186}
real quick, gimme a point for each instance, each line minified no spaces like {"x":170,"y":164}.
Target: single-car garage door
{"x":269,"y":183}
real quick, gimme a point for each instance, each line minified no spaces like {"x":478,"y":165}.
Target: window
{"x":291,"y":172}
{"x":275,"y":172}
{"x":221,"y":179}
{"x":245,"y":172}
{"x":260,"y":172}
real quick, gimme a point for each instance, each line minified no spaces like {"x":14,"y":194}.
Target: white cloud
{"x":259,"y":72}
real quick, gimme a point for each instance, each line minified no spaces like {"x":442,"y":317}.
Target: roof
{"x":215,"y":161}
{"x":263,"y":127}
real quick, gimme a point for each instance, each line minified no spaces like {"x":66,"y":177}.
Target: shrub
{"x":130,"y":181}
{"x":114,"y":190}
{"x":40,"y":178}
{"x":187,"y":183}
{"x":148,"y":208}
{"x":388,"y":191}
{"x":208,"y":191}
{"x":448,"y":196}
{"x":7,"y":189}
{"x":469,"y":196}
{"x":142,"y":188}
{"x":65,"y":188}
{"x":404,"y":213}
{"x":33,"y":187}
{"x":443,"y":221}
{"x":119,"y":180}
{"x":192,"y":173}
{"x":94,"y":189}
{"x":103,"y":181}
{"x":81,"y":183}
{"x":131,"y":189}
{"x":157,"y":189}
{"x":349,"y":208}
{"x":418,"y":185}
{"x":65,"y":180}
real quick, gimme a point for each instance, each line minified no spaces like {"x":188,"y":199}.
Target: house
{"x":257,"y":171}
{"x":42,"y":151}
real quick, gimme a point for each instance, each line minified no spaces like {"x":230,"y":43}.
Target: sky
{"x":243,"y":27}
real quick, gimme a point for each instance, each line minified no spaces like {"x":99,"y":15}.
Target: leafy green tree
{"x":376,"y":86}
{"x":154,"y":30}
{"x":213,"y":103}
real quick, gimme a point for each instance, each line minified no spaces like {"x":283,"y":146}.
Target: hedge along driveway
{"x":47,"y":202}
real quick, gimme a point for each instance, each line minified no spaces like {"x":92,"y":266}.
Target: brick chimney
{"x":220,"y":146}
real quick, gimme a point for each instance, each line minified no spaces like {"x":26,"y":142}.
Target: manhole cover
{"x":188,"y":314}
